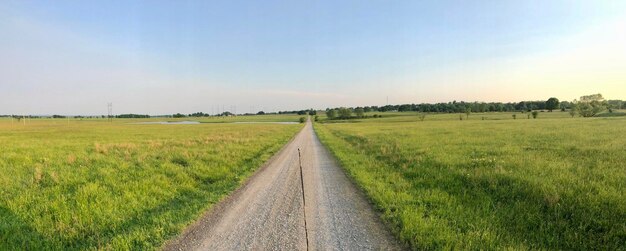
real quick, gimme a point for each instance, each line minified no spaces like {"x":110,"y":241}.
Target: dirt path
{"x":268,"y":212}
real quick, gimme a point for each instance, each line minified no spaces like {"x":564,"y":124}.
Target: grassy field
{"x":549,"y":183}
{"x":88,"y":184}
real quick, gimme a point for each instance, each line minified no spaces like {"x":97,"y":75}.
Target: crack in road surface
{"x":269,"y":211}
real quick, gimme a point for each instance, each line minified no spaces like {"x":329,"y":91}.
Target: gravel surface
{"x":271,"y":211}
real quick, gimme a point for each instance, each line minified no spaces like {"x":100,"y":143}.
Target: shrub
{"x":331,"y":114}
{"x":360,"y":113}
{"x":535,"y":113}
{"x":302,"y":119}
{"x":345,"y":113}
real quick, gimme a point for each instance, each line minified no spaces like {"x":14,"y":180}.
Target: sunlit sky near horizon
{"x":163,"y":57}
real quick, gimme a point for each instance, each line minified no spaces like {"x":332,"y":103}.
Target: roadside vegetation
{"x":492,"y":180}
{"x":89,"y":184}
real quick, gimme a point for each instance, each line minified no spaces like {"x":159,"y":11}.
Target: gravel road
{"x":284,"y":208}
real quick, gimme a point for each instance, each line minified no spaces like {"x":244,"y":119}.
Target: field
{"x":490,"y":182}
{"x":89,"y":184}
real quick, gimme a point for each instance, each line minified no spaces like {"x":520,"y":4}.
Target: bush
{"x":302,"y":119}
{"x":590,"y":109}
{"x":331,"y":114}
{"x":535,"y":113}
{"x":317,"y":118}
{"x":360,"y":113}
{"x":345,"y":113}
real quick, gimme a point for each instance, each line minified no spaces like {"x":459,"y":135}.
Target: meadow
{"x":89,"y":184}
{"x":490,"y":182}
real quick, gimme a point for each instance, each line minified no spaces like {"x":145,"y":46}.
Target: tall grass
{"x":94,"y":185}
{"x":555,"y":183}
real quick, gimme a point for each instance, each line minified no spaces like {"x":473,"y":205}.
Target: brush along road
{"x":299,"y":200}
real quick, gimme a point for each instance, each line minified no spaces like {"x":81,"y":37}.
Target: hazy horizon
{"x":159,"y":57}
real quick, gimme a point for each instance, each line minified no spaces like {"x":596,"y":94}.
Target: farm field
{"x":554,"y":182}
{"x":89,"y":184}
{"x":212,"y":119}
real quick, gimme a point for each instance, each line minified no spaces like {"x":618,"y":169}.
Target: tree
{"x":590,"y":109}
{"x":345,"y":113}
{"x":302,"y":119}
{"x":359,"y":112}
{"x":552,"y":104}
{"x":260,"y":113}
{"x":573,"y":109}
{"x":535,"y":113}
{"x":179,"y":115}
{"x":312,"y":112}
{"x":331,"y":114}
{"x":590,"y":105}
{"x":592,"y":97}
{"x":467,"y":112}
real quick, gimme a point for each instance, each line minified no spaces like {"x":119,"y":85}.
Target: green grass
{"x":96,"y":185}
{"x":549,"y":183}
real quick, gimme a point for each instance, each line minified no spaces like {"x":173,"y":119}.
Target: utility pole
{"x":110,"y":111}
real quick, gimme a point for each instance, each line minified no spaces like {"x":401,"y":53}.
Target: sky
{"x":164,"y":57}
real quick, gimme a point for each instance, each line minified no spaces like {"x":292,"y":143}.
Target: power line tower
{"x":110,"y":115}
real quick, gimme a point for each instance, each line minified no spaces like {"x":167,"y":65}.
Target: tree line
{"x":587,"y":106}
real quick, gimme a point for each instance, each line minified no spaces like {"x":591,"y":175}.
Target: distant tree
{"x":514,"y":116}
{"x":179,"y":115}
{"x":592,"y":97}
{"x":552,"y":104}
{"x":199,"y":114}
{"x":360,"y":112}
{"x":260,"y":113}
{"x":126,"y":116}
{"x":467,"y":112}
{"x":535,"y":113}
{"x":590,"y":105}
{"x":312,"y":112}
{"x":589,"y":109}
{"x":344,"y":113}
{"x":331,"y":114}
{"x":573,"y":110}
{"x":615,"y":104}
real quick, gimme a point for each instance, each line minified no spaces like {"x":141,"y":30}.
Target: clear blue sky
{"x":159,"y":57}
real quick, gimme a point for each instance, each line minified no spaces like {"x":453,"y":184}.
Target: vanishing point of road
{"x":299,"y":200}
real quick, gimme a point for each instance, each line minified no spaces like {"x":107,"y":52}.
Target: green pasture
{"x":90,"y":184}
{"x":491,"y":182}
